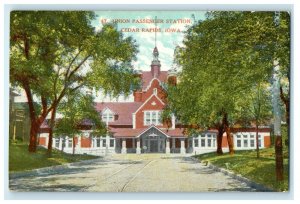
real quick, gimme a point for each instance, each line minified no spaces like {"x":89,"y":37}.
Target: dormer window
{"x":107,"y":116}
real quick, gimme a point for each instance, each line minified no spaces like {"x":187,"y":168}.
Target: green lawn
{"x":20,"y":159}
{"x":260,"y":170}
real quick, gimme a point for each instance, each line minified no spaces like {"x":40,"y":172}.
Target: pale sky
{"x":177,"y":21}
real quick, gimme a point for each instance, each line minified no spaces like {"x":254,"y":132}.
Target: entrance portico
{"x":153,"y":140}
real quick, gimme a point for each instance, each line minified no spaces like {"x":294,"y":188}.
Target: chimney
{"x":137,"y":96}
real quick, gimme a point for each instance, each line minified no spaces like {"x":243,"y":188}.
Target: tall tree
{"x":54,"y":53}
{"x":223,"y":57}
{"x":256,"y":108}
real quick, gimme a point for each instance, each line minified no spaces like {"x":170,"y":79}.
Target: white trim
{"x":152,"y":126}
{"x":248,"y":139}
{"x":107,"y":113}
{"x":147,"y":102}
{"x":106,"y":108}
{"x":204,"y":137}
{"x":150,"y":83}
{"x":133,"y":121}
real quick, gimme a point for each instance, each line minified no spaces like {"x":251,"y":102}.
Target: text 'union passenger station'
{"x":136,"y":127}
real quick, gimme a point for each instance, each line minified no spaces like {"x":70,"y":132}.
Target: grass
{"x":245,"y":163}
{"x":21,"y":160}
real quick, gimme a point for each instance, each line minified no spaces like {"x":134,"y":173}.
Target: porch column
{"x":182,"y":146}
{"x":168,"y":146}
{"x":173,"y":145}
{"x":107,"y":141}
{"x":60,"y":143}
{"x":107,"y":138}
{"x":124,"y":149}
{"x":133,"y":143}
{"x":138,"y":146}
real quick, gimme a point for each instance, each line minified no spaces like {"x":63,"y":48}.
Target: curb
{"x":238,"y":177}
{"x":50,"y":169}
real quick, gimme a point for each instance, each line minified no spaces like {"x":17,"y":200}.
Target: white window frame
{"x":250,"y":136}
{"x":206,"y":141}
{"x":70,"y":142}
{"x":154,"y":117}
{"x":56,"y":141}
{"x":107,"y":116}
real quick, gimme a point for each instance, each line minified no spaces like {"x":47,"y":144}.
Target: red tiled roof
{"x":124,"y":111}
{"x":129,"y":132}
{"x":147,"y":77}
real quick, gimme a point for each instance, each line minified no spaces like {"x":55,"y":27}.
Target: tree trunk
{"x":52,"y":124}
{"x":257,"y":145}
{"x":33,"y":136}
{"x":279,"y":158}
{"x":35,"y":122}
{"x":228,"y":133}
{"x":286,"y":101}
{"x":220,"y":139}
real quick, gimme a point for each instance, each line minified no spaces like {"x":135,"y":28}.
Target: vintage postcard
{"x":149,"y":101}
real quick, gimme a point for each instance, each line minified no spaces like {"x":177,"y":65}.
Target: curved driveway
{"x":132,"y":173}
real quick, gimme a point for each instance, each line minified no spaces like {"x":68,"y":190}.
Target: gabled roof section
{"x":147,"y":78}
{"x":153,"y":95}
{"x":149,"y":128}
{"x":124,"y":111}
{"x":108,"y":110}
{"x":132,"y":133}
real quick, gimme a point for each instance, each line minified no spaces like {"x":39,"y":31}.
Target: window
{"x":209,"y":141}
{"x":69,"y":143}
{"x":245,"y":140}
{"x":155,"y":91}
{"x":238,"y":141}
{"x":97,"y":142}
{"x":112,"y":143}
{"x":57,"y":142}
{"x":152,"y":117}
{"x":196,"y":142}
{"x":252,"y":141}
{"x":206,"y":140}
{"x":214,"y":141}
{"x":259,"y":141}
{"x":159,"y":117}
{"x":104,"y":143}
{"x":202,"y":142}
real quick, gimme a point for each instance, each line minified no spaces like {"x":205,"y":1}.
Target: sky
{"x":170,"y":26}
{"x":166,"y":41}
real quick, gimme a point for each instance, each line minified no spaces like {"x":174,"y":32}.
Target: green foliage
{"x":78,"y":110}
{"x":21,"y":160}
{"x":256,"y":106}
{"x":246,"y":164}
{"x":223,"y":59}
{"x":55,"y":53}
